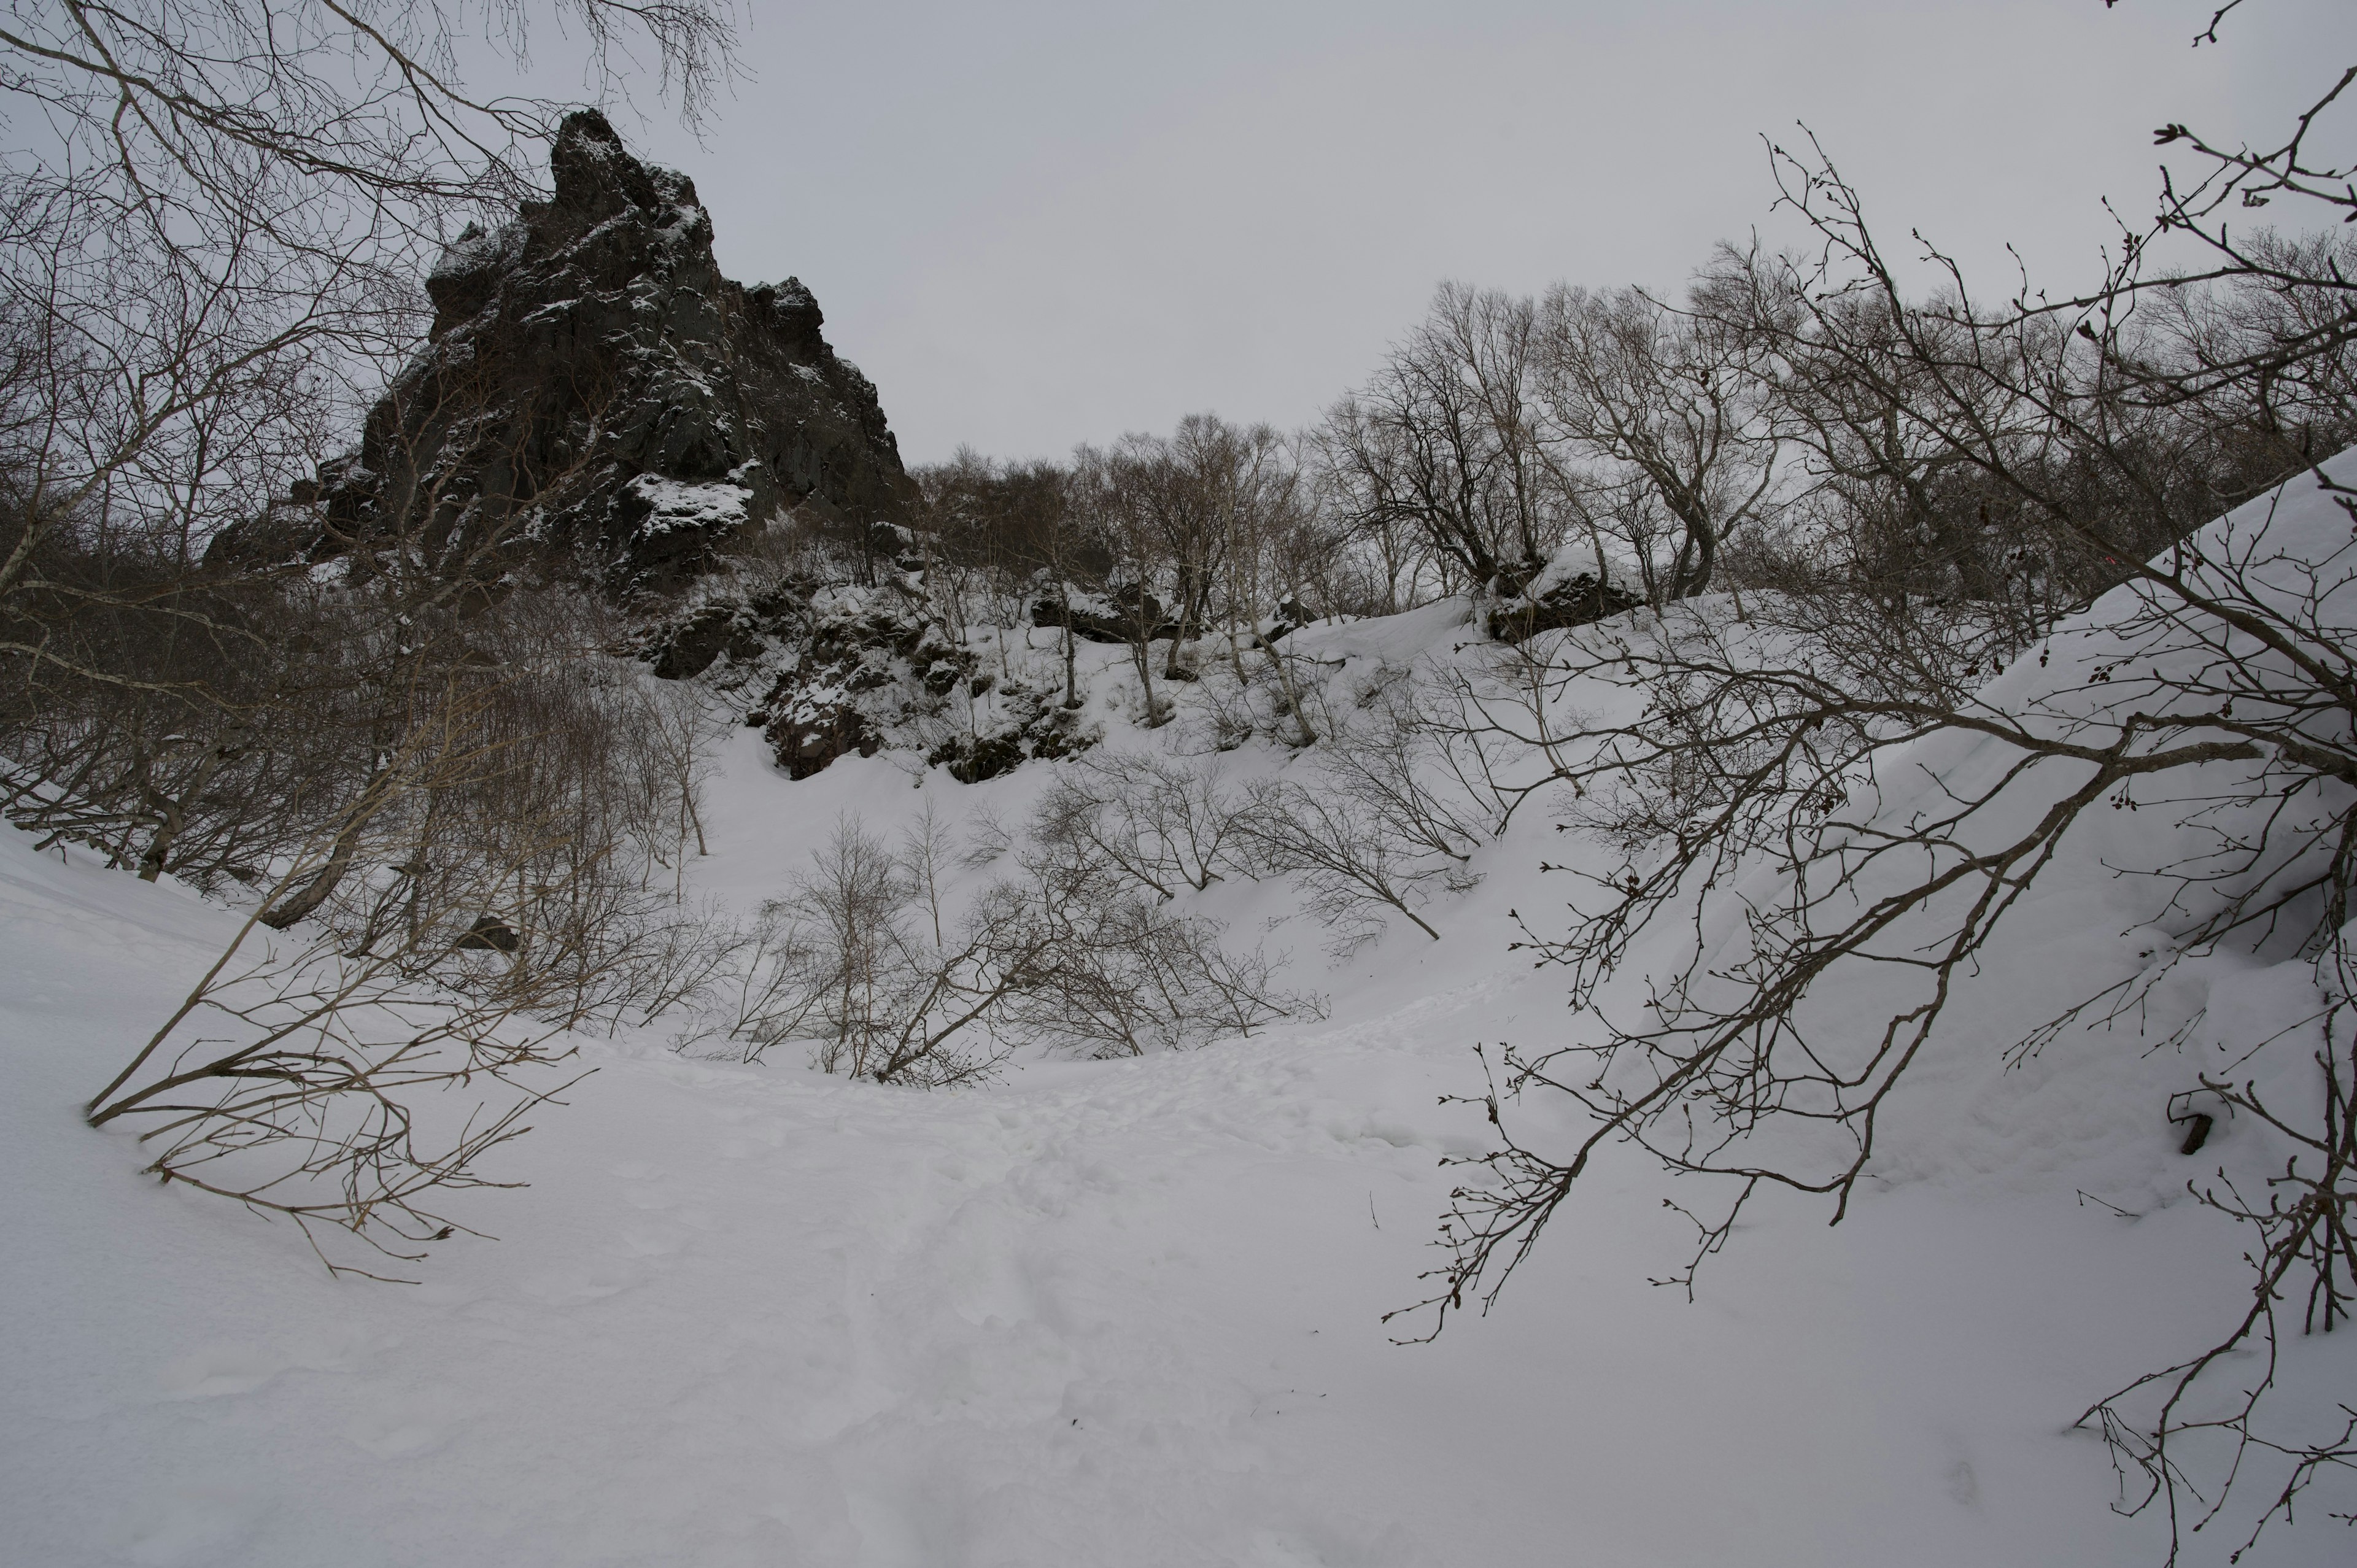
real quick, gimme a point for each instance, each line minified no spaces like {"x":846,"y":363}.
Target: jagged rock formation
{"x":594,"y":401}
{"x":596,"y":394}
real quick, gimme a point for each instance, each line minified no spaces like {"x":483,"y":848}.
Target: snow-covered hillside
{"x":1106,"y":1314}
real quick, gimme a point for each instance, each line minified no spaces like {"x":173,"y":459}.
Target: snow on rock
{"x":669,"y":504}
{"x":1578,"y":584}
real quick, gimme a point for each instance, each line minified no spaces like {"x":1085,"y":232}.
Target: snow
{"x":681,"y":503}
{"x":1585,"y":558}
{"x":478,"y":250}
{"x":1108,"y":1314}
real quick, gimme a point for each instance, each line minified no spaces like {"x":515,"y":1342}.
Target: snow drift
{"x":1129,"y":1312}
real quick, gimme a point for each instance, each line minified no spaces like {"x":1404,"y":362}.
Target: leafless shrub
{"x":685,"y":724}
{"x":1403,"y":745}
{"x":1161,"y":822}
{"x":846,"y":971}
{"x":1118,"y":972}
{"x":1122,"y":975}
{"x":1340,"y":849}
{"x":1233,"y":707}
{"x":1066,"y":953}
{"x":584,"y":798}
{"x":1411,"y":776}
{"x":313,"y":1106}
{"x":326,"y":1105}
{"x":463,"y":874}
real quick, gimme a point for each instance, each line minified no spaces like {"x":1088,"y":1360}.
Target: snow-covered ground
{"x":1097,"y":1315}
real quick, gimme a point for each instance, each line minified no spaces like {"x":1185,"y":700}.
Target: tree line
{"x":1760,"y":431}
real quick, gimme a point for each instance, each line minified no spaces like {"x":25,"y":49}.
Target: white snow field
{"x":1109,"y":1314}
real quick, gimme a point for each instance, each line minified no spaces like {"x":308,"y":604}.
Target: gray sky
{"x":1039,"y":223}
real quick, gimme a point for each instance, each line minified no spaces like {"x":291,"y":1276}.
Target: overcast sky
{"x":1035,"y":224}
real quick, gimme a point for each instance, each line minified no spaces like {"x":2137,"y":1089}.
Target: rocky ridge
{"x":596,"y":397}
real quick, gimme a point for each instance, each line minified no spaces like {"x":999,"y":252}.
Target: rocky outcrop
{"x":1114,"y":616}
{"x":686,"y":646}
{"x":832,"y":670}
{"x":595,"y":395}
{"x":1029,"y":725}
{"x":1567,"y":591}
{"x":865,"y":662}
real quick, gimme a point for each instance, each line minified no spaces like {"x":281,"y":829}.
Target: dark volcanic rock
{"x":595,"y":393}
{"x":1101,"y":618}
{"x":1563,"y":593}
{"x":866,"y":662}
{"x":689,"y":645}
{"x":1034,"y":726}
{"x":812,"y":733}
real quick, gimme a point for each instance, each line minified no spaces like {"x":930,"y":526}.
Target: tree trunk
{"x":1142,"y":652}
{"x":174,"y":812}
{"x":315,"y":892}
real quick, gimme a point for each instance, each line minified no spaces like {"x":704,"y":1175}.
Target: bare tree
{"x":1125,"y":496}
{"x":1670,"y":404}
{"x":1442,"y":442}
{"x":685,"y":723}
{"x":2214,"y":686}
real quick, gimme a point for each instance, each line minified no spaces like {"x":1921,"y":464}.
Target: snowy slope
{"x":1101,"y":1314}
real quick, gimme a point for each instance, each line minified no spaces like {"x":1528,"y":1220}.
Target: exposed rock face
{"x":859,"y":669}
{"x":831,"y":669}
{"x":596,"y":393}
{"x":1566,"y":592}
